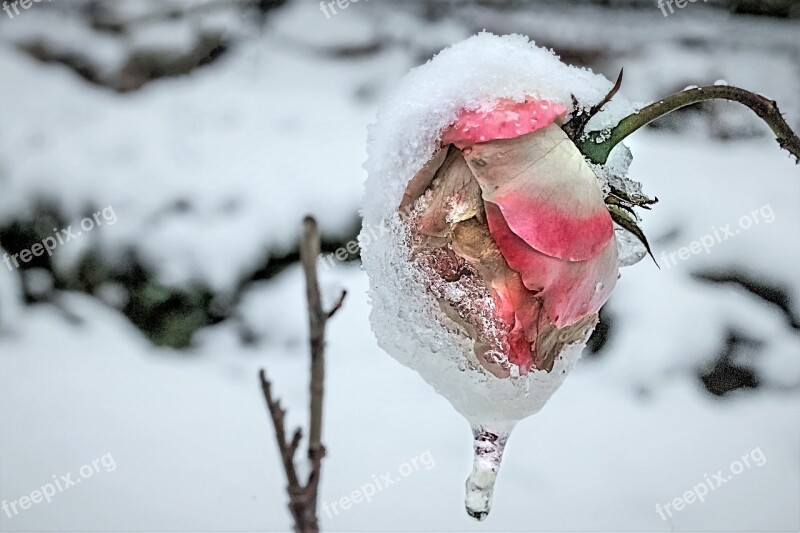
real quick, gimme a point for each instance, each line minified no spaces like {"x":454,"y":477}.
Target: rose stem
{"x":767,"y":110}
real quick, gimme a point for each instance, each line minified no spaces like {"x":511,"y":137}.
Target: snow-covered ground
{"x":275,"y":128}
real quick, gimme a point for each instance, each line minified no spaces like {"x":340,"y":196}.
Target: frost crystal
{"x":614,"y":174}
{"x":630,"y":248}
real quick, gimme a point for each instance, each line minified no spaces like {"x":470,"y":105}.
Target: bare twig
{"x":287,"y":450}
{"x":337,"y":305}
{"x":309,"y":251}
{"x":296,"y":438}
{"x":303,"y":497}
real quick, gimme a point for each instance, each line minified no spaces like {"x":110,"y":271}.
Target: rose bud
{"x":509,"y":214}
{"x":496,"y":247}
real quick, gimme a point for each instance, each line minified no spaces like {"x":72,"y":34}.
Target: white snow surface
{"x":195,"y":451}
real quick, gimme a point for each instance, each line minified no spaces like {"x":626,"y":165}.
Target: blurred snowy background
{"x":210,"y":128}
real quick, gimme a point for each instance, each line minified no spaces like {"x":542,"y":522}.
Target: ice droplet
{"x":489,"y":445}
{"x":598,"y":287}
{"x":720,"y":82}
{"x":630,"y":248}
{"x":467,"y":151}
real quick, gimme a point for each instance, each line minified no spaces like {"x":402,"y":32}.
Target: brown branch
{"x":309,"y":251}
{"x":287,"y":450}
{"x":303,"y":498}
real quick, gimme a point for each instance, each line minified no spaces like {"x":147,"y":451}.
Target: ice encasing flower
{"x":496,"y":250}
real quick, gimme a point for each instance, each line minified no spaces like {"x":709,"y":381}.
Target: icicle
{"x":489,"y":445}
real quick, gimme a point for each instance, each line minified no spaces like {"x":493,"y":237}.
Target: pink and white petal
{"x":583,"y":287}
{"x":506,"y":120}
{"x":569,"y":290}
{"x":518,"y":309}
{"x":537,"y":270}
{"x":546,"y":191}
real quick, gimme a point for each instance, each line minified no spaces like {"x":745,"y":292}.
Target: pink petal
{"x":516,"y":308}
{"x":570,"y":290}
{"x":546,"y":191}
{"x":508,"y":119}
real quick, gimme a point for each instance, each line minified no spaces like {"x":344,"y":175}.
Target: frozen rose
{"x":510,"y":224}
